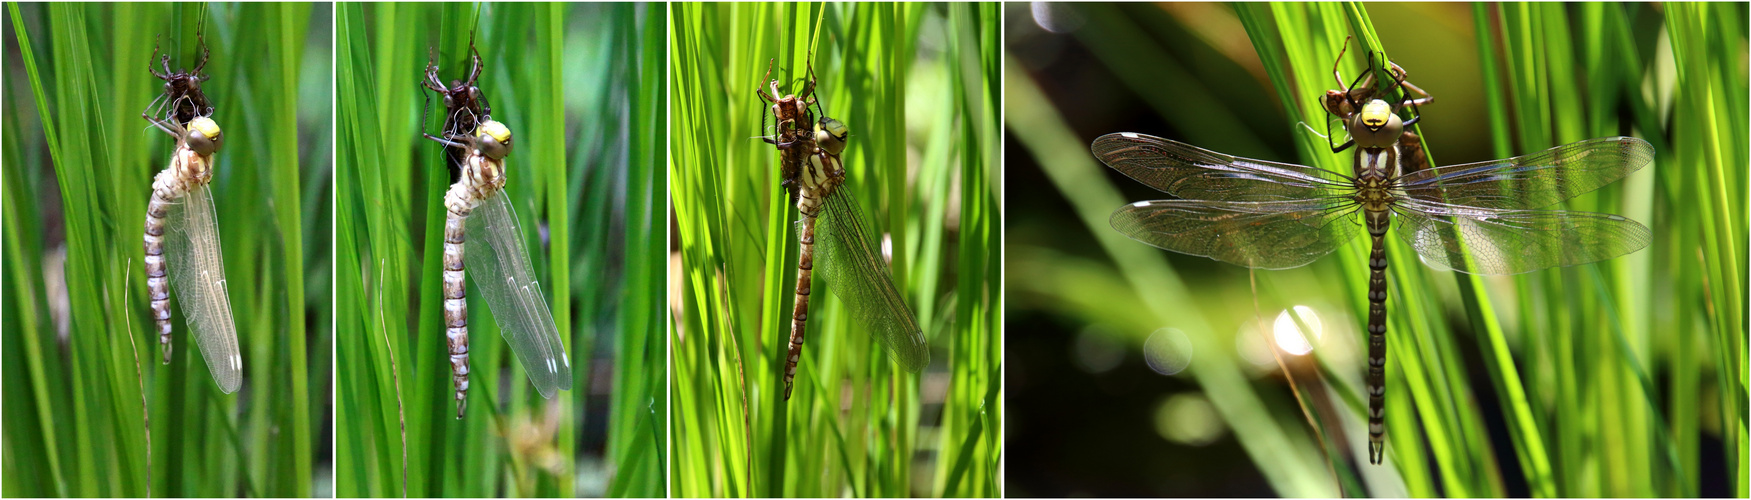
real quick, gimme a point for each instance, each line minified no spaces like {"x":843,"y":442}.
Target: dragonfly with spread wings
{"x":1479,"y":218}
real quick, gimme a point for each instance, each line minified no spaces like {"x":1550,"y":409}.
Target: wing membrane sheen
{"x":853,"y":268}
{"x":197,"y":273}
{"x":498,"y":264}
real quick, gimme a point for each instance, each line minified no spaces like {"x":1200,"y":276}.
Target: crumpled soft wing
{"x":197,"y":277}
{"x":499,"y":265}
{"x":856,"y":273}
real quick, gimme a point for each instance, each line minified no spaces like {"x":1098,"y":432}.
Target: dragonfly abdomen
{"x":170,"y":185}
{"x":456,"y":304}
{"x":1378,"y":222}
{"x":807,"y":206}
{"x":157,"y":284}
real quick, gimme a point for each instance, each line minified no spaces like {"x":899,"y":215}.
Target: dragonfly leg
{"x":201,"y":39}
{"x":165,"y":75}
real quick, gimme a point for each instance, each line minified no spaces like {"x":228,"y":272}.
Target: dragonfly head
{"x":831,"y":134}
{"x":204,"y":136}
{"x":493,"y":139}
{"x":1376,"y":126}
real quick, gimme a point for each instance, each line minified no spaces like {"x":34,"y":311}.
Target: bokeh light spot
{"x":1289,"y":336}
{"x":1188,"y":419}
{"x":1168,"y":351}
{"x":1096,"y":351}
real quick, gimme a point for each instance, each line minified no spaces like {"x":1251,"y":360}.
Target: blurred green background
{"x":79,"y":338}
{"x":1621,"y":378}
{"x":580,"y":87}
{"x":918,"y":86}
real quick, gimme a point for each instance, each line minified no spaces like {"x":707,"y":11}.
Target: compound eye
{"x":493,"y":139}
{"x":204,"y":136}
{"x":831,"y":134}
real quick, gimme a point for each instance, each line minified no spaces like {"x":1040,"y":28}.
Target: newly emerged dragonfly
{"x":830,"y":225}
{"x":1477,"y":218}
{"x":182,"y":240}
{"x":482,"y":227}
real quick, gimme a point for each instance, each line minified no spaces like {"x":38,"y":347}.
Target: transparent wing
{"x":197,"y":277}
{"x":1513,"y":241}
{"x":1531,"y":181}
{"x":1262,"y":235}
{"x":853,"y":268}
{"x":499,"y":265}
{"x":1195,"y":173}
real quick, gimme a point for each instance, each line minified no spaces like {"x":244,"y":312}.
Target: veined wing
{"x":1513,"y":241}
{"x":197,"y":277}
{"x":1531,"y":181}
{"x":1262,"y":235}
{"x":855,"y":271}
{"x":1195,"y":173}
{"x":499,"y":265}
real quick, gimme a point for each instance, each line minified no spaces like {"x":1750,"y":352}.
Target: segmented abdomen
{"x":1376,"y":379}
{"x":456,"y":306}
{"x":157,"y":284}
{"x":807,"y":207}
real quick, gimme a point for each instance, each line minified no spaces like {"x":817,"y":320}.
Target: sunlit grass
{"x":923,"y":160}
{"x":1605,"y":378}
{"x":79,"y":162}
{"x":579,"y":86}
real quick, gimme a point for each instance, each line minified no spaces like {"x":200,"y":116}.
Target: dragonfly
{"x":831,"y":222}
{"x":182,"y":243}
{"x":481,"y":231}
{"x":183,"y":88}
{"x":1477,"y":218}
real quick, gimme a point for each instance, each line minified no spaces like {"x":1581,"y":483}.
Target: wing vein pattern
{"x":856,"y":273}
{"x":498,"y":263}
{"x":197,"y":274}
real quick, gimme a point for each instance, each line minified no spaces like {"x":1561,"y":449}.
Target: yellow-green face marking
{"x":493,"y":139}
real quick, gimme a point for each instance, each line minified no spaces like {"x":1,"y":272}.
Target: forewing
{"x":1263,"y":235}
{"x":1531,"y":181}
{"x":499,"y":265}
{"x":853,"y":267}
{"x":1195,"y":173}
{"x":197,"y":277}
{"x":1502,"y":242}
